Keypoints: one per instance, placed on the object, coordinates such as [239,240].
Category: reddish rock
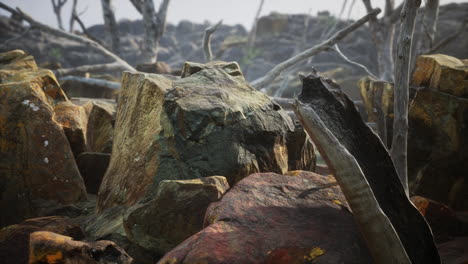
[73,119]
[443,221]
[51,248]
[14,239]
[271,218]
[454,251]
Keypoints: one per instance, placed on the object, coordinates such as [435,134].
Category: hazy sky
[231,11]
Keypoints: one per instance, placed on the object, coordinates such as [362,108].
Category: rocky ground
[196,166]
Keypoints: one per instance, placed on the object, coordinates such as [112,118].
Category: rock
[208,122]
[100,127]
[443,73]
[36,161]
[271,218]
[454,251]
[157,67]
[443,221]
[174,214]
[14,239]
[93,166]
[51,248]
[73,119]
[75,88]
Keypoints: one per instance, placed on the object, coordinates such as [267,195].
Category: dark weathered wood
[399,148]
[341,117]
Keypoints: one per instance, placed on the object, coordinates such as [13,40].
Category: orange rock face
[36,162]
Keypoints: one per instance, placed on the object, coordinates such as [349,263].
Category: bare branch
[72,16]
[17,37]
[105,67]
[398,151]
[57,6]
[389,6]
[253,32]
[351,9]
[110,23]
[444,42]
[138,4]
[337,49]
[327,44]
[59,33]
[85,31]
[207,40]
[92,81]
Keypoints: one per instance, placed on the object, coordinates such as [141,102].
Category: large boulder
[36,162]
[271,218]
[208,122]
[14,239]
[100,125]
[175,213]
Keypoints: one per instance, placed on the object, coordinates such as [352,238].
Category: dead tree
[207,40]
[383,31]
[401,90]
[428,26]
[154,24]
[366,174]
[72,16]
[112,30]
[57,6]
[117,64]
[264,81]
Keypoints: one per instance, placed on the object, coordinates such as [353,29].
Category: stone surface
[454,251]
[14,239]
[174,214]
[443,221]
[51,248]
[36,161]
[441,72]
[73,119]
[93,166]
[271,218]
[74,88]
[159,67]
[100,126]
[208,122]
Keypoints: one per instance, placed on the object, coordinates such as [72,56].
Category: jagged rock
[73,119]
[208,122]
[36,161]
[14,239]
[443,73]
[51,248]
[100,127]
[174,214]
[443,221]
[271,218]
[93,166]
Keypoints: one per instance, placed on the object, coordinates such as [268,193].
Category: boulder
[51,248]
[443,73]
[73,119]
[174,214]
[100,126]
[157,67]
[271,218]
[93,166]
[14,239]
[208,122]
[36,161]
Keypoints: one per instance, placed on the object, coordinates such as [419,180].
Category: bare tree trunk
[57,6]
[253,32]
[428,26]
[398,151]
[72,16]
[112,30]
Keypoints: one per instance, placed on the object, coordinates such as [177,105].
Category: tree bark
[57,6]
[335,112]
[401,91]
[112,30]
[327,44]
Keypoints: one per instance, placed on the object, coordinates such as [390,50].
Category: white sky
[231,11]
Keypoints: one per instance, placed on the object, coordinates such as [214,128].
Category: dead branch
[253,32]
[444,42]
[85,31]
[17,37]
[110,24]
[59,33]
[327,44]
[398,151]
[351,9]
[207,40]
[327,33]
[337,50]
[72,16]
[57,6]
[229,44]
[351,150]
[105,67]
[92,81]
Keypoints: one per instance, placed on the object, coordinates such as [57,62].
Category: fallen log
[339,116]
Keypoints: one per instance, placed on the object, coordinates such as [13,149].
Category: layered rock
[208,122]
[14,239]
[100,126]
[175,213]
[271,218]
[36,162]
